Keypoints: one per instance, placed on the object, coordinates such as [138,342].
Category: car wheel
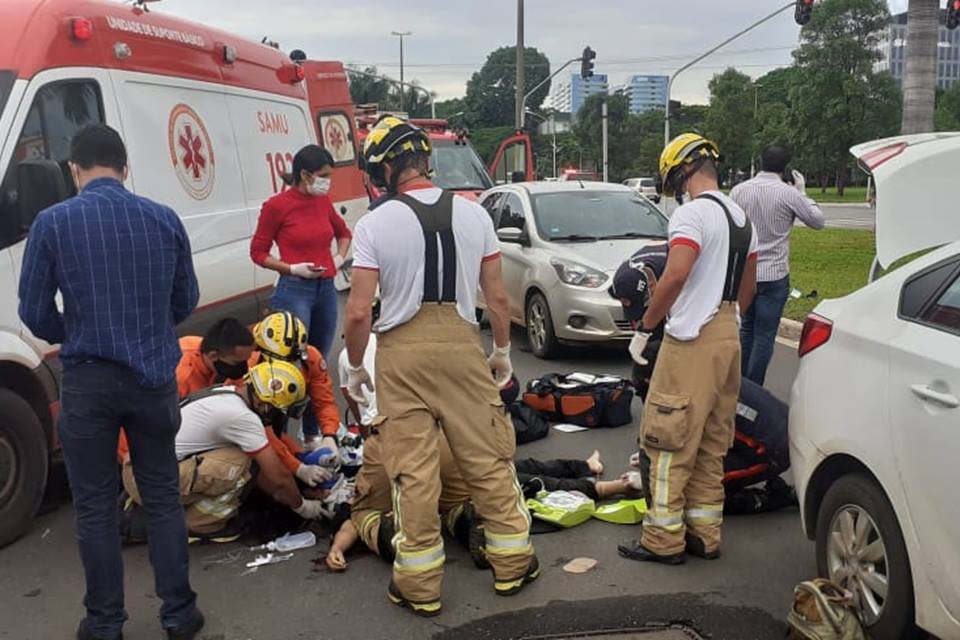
[540,332]
[23,466]
[860,547]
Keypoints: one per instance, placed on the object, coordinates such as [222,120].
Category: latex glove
[305,270]
[330,443]
[336,561]
[635,460]
[637,344]
[312,475]
[799,182]
[310,509]
[337,261]
[357,378]
[500,365]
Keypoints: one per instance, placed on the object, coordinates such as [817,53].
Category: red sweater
[303,228]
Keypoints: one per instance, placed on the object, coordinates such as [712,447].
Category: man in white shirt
[772,206]
[221,435]
[428,251]
[688,417]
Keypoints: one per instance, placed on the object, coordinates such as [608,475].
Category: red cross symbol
[192,158]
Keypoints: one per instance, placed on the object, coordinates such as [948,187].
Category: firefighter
[688,419]
[428,251]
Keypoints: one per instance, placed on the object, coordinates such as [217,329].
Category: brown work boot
[422,609]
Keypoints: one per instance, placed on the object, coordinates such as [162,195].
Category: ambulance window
[58,111]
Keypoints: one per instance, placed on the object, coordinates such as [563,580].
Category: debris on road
[270,558]
[580,565]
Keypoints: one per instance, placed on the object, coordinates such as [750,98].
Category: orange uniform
[319,389]
[193,375]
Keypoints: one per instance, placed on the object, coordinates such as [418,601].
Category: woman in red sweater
[303,224]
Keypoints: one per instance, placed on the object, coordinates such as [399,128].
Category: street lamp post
[401,35]
[526,96]
[520,61]
[666,105]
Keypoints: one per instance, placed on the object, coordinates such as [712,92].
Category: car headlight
[581,275]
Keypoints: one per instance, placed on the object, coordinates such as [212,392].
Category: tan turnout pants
[687,428]
[211,487]
[431,376]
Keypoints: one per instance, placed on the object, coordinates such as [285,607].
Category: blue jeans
[315,303]
[758,331]
[96,399]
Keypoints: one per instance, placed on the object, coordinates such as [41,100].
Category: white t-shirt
[701,224]
[389,239]
[220,420]
[369,407]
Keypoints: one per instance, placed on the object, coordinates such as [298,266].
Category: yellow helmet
[281,335]
[277,383]
[683,150]
[390,138]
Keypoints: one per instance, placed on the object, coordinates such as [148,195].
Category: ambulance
[211,123]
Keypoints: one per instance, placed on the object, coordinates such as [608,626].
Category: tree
[491,92]
[920,69]
[450,108]
[836,99]
[947,116]
[487,140]
[368,88]
[730,118]
[622,136]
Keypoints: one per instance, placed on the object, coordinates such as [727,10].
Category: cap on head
[277,383]
[630,283]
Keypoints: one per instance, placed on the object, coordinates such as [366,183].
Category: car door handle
[926,393]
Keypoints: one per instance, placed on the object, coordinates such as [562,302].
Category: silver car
[647,187]
[561,243]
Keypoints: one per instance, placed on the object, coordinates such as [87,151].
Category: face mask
[319,186]
[227,371]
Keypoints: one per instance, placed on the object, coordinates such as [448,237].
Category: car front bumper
[601,316]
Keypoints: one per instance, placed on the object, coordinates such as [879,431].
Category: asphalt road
[744,594]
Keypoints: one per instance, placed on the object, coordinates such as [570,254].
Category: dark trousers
[556,475]
[96,399]
[758,331]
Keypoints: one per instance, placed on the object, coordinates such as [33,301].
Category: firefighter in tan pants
[428,251]
[688,417]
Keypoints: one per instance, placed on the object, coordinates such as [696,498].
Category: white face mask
[319,186]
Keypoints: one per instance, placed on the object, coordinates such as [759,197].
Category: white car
[647,187]
[875,408]
[561,243]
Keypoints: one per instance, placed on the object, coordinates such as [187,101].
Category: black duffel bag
[581,399]
[528,425]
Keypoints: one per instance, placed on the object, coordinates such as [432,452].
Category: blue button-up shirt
[124,267]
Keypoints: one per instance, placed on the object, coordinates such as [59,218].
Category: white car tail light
[816,333]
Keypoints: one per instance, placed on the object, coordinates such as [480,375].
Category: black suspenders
[437,223]
[739,251]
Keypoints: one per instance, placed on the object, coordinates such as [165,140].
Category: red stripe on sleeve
[253,453]
[492,256]
[366,268]
[686,242]
[753,256]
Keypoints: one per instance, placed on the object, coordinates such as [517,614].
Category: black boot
[188,630]
[636,551]
[696,547]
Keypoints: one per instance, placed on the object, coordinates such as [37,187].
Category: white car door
[924,405]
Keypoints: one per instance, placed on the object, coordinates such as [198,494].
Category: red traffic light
[803,11]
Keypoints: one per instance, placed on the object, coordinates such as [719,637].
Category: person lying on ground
[573,475]
[221,447]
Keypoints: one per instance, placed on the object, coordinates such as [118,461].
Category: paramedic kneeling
[688,419]
[221,435]
[429,250]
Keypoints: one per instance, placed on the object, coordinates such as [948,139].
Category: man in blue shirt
[123,266]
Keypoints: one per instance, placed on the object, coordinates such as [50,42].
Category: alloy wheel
[537,325]
[8,468]
[857,560]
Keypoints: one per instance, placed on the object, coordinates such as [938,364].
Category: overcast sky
[451,38]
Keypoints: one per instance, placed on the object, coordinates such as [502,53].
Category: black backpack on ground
[528,425]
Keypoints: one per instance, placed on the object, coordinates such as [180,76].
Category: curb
[789,333]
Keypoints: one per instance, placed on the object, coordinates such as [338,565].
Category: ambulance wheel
[23,466]
[860,546]
[540,332]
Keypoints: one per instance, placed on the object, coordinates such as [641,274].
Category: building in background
[646,92]
[894,47]
[570,93]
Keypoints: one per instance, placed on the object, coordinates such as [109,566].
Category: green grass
[851,195]
[832,262]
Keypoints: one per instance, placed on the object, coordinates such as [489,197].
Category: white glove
[500,364]
[312,475]
[305,270]
[635,460]
[310,509]
[799,182]
[358,377]
[337,261]
[637,344]
[330,443]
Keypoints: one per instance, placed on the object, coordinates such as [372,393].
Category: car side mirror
[514,235]
[40,184]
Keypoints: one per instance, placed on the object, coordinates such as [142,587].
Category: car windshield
[6,84]
[457,166]
[647,182]
[596,215]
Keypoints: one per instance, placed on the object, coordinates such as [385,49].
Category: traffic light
[803,10]
[586,63]
[953,14]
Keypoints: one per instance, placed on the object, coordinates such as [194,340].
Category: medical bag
[581,399]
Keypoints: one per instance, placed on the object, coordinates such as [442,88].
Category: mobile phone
[315,268]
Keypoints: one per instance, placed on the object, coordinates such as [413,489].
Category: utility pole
[401,35]
[518,124]
[553,133]
[753,154]
[603,115]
